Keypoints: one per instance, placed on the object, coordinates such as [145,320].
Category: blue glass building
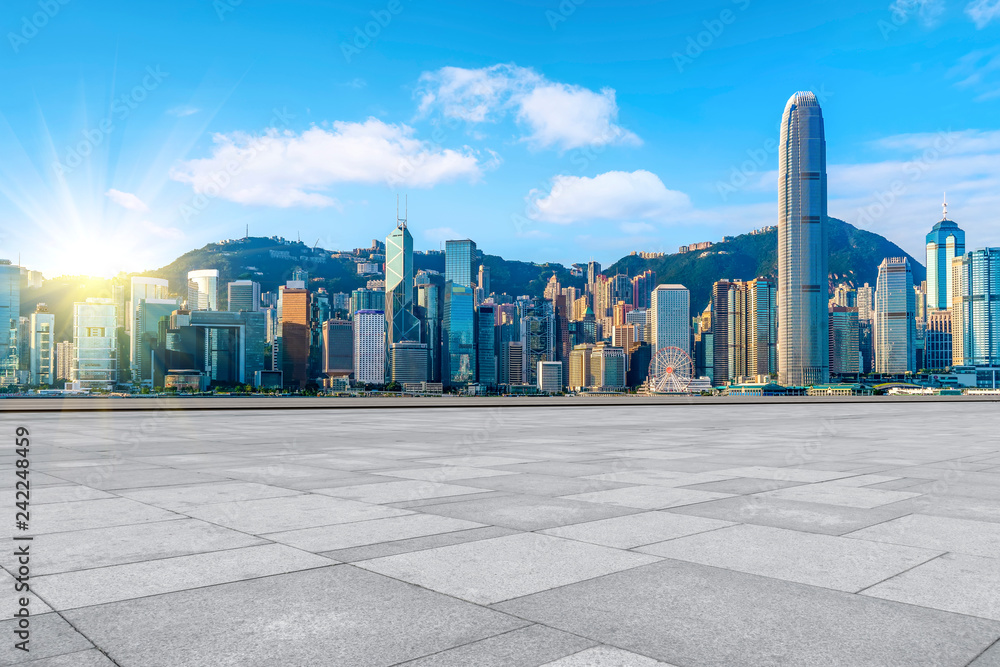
[458,355]
[945,242]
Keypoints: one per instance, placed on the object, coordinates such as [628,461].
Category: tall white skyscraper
[803,320]
[895,317]
[671,315]
[42,346]
[369,346]
[95,343]
[203,289]
[10,311]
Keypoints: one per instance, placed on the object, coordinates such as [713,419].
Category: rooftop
[840,533]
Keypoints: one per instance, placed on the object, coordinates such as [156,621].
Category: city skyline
[650,159]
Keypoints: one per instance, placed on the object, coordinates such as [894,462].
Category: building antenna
[401,222]
[945,206]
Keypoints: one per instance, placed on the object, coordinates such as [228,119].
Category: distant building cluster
[428,332]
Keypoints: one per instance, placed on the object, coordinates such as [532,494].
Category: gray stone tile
[85,588]
[12,599]
[784,474]
[791,514]
[84,514]
[338,615]
[502,568]
[417,544]
[117,478]
[818,560]
[689,614]
[627,532]
[954,582]
[527,512]
[543,485]
[477,460]
[668,478]
[846,496]
[362,533]
[66,494]
[196,495]
[271,515]
[49,636]
[527,647]
[742,485]
[988,658]
[446,473]
[648,497]
[399,491]
[976,538]
[606,656]
[91,658]
[117,545]
[665,454]
[561,468]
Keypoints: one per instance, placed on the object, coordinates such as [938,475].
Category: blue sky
[566,131]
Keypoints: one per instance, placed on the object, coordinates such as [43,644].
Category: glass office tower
[945,242]
[400,323]
[895,317]
[459,340]
[803,344]
[460,258]
[976,308]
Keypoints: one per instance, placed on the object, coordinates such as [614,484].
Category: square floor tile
[839,494]
[527,512]
[502,568]
[397,492]
[648,497]
[362,533]
[606,656]
[954,582]
[818,560]
[976,538]
[338,615]
[627,532]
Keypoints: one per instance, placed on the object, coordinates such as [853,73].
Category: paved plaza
[694,535]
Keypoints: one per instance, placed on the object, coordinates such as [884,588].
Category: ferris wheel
[670,371]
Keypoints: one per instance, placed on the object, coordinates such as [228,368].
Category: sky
[560,130]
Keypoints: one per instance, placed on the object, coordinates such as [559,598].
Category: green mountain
[854,258]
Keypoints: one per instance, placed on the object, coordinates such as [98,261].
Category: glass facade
[459,259]
[803,344]
[976,308]
[400,322]
[895,317]
[459,335]
[95,327]
[944,243]
[486,345]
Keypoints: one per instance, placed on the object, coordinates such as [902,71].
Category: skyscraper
[945,242]
[400,323]
[243,295]
[750,329]
[203,289]
[42,346]
[65,356]
[895,317]
[10,311]
[803,329]
[486,345]
[671,308]
[295,335]
[845,348]
[484,281]
[976,308]
[95,343]
[338,348]
[458,357]
[430,304]
[369,346]
[459,261]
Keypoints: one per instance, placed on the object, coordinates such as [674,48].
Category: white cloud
[441,234]
[979,72]
[556,115]
[616,195]
[183,111]
[284,169]
[983,12]
[126,200]
[928,11]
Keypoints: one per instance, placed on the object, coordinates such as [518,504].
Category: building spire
[944,205]
[401,222]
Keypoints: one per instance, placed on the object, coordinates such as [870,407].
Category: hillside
[854,258]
